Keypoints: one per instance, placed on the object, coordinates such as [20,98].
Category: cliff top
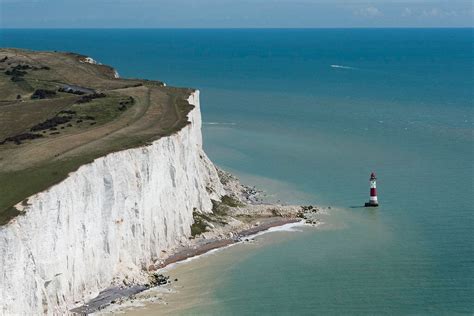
[59,111]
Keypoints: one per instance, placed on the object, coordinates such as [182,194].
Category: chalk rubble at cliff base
[238,223]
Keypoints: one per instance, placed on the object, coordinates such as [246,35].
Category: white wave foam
[290,227]
[341,67]
[219,123]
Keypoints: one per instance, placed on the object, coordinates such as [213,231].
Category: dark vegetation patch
[4,59]
[75,89]
[42,68]
[72,91]
[63,117]
[17,139]
[16,74]
[22,67]
[200,224]
[71,112]
[17,79]
[43,94]
[123,105]
[87,117]
[19,71]
[129,101]
[8,213]
[90,97]
[219,208]
[51,123]
[230,201]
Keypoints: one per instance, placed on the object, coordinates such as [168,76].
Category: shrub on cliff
[17,139]
[43,94]
[51,123]
[90,97]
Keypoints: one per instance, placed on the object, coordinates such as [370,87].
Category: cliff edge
[59,111]
[111,217]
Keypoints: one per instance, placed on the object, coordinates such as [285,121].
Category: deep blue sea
[307,115]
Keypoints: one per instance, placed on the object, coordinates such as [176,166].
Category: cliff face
[107,221]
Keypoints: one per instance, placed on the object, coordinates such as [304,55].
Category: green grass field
[47,132]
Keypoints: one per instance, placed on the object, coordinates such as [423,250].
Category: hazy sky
[234,13]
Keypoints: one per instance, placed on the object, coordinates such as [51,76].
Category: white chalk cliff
[107,221]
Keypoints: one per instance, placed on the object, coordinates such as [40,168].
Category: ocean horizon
[306,115]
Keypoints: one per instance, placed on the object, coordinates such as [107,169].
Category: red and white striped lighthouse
[373,191]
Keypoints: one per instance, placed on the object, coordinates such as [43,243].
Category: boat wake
[341,67]
[219,123]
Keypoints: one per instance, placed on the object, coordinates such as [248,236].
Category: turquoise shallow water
[277,114]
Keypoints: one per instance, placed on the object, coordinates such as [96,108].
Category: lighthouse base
[371,204]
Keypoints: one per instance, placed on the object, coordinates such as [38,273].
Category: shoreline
[240,215]
[206,247]
[117,295]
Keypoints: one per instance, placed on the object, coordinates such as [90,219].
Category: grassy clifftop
[59,111]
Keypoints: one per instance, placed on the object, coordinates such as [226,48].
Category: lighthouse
[373,192]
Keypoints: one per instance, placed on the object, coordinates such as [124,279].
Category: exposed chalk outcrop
[89,60]
[106,222]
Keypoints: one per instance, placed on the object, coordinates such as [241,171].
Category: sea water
[307,115]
